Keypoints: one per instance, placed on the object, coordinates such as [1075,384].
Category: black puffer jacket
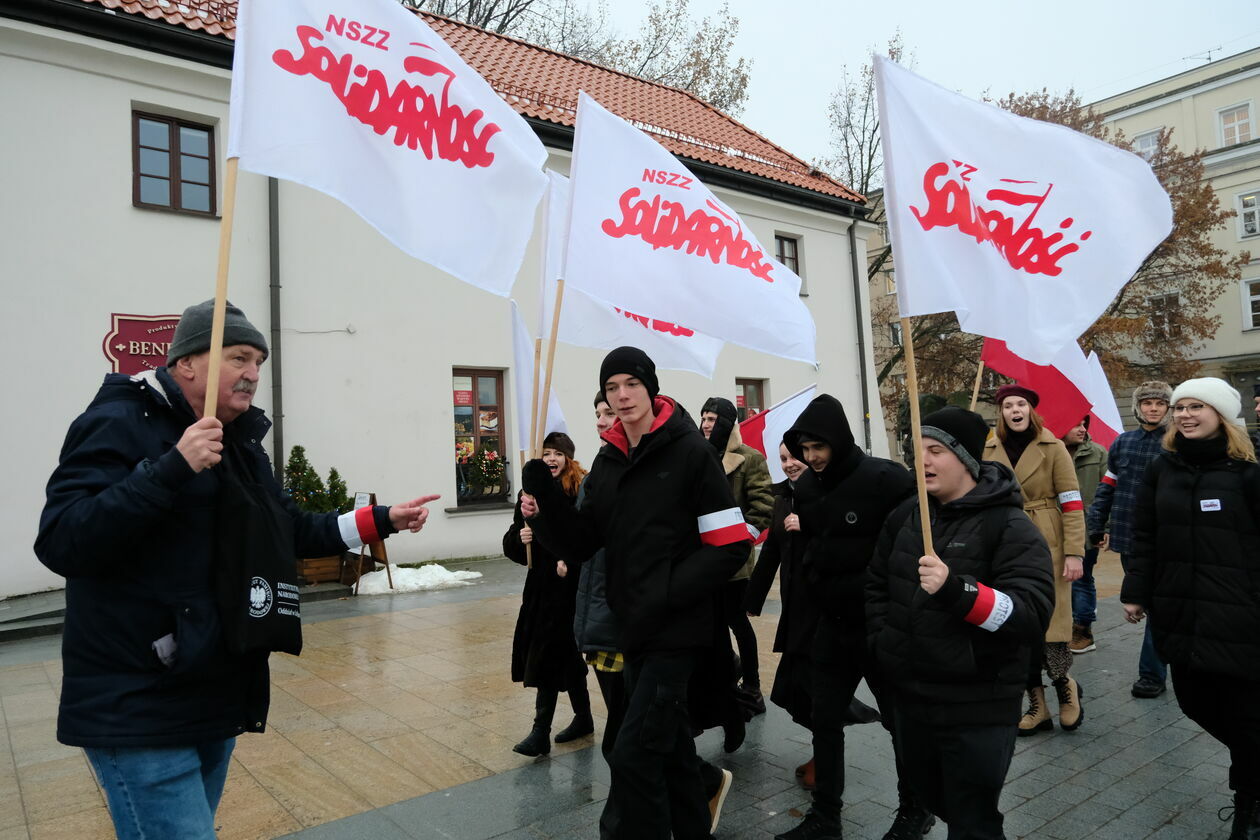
[1195,563]
[841,510]
[925,646]
[594,624]
[130,527]
[647,510]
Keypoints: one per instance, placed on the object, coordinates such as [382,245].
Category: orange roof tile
[544,84]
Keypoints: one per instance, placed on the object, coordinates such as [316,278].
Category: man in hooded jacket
[657,502]
[842,502]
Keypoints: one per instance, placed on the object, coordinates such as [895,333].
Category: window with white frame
[1251,304]
[1145,143]
[1165,315]
[1249,214]
[894,333]
[1236,124]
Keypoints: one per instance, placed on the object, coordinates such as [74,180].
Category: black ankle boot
[537,742]
[581,726]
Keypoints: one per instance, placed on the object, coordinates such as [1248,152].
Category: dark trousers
[1149,663]
[1226,709]
[612,687]
[656,788]
[957,772]
[736,618]
[839,662]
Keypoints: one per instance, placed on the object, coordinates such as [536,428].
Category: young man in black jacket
[658,504]
[951,631]
[841,504]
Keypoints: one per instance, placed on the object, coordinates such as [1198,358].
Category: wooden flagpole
[975,390]
[220,290]
[545,398]
[912,386]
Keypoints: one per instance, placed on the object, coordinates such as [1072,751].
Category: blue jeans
[163,792]
[1084,593]
[1149,663]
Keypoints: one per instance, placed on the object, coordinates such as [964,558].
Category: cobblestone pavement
[397,722]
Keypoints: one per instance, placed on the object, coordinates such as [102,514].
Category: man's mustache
[246,386]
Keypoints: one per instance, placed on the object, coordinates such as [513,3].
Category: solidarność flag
[587,322]
[361,100]
[1027,230]
[646,236]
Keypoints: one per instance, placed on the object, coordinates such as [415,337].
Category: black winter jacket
[669,525]
[841,510]
[1195,563]
[781,553]
[929,648]
[130,526]
[543,647]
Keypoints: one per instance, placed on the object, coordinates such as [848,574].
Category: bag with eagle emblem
[255,569]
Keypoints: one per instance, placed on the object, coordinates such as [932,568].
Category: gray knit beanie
[192,333]
[1152,390]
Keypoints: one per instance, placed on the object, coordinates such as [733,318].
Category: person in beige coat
[1052,499]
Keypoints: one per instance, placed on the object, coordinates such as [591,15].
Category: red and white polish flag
[587,322]
[764,431]
[1070,388]
[361,100]
[1026,230]
[645,235]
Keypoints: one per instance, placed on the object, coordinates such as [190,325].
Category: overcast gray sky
[1101,47]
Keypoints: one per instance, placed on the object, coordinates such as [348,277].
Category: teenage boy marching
[952,631]
[657,502]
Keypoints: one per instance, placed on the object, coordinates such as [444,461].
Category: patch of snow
[429,576]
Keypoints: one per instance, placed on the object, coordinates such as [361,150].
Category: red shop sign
[136,343]
[463,398]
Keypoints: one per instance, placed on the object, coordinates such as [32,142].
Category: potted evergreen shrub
[310,493]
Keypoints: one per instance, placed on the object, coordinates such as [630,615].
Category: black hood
[997,487]
[824,420]
[720,436]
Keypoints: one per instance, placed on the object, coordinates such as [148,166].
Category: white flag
[645,235]
[361,100]
[1098,391]
[587,322]
[523,377]
[764,431]
[1027,230]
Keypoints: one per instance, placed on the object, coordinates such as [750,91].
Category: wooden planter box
[320,569]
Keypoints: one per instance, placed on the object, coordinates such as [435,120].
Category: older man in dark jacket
[152,691]
[952,630]
[658,504]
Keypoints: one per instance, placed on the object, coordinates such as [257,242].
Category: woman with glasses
[1195,570]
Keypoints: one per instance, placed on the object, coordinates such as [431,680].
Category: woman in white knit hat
[1195,569]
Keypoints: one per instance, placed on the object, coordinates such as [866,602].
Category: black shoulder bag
[255,570]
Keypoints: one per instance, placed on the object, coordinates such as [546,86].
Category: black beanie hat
[192,333]
[561,442]
[963,431]
[633,361]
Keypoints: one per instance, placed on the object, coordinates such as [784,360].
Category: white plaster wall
[374,402]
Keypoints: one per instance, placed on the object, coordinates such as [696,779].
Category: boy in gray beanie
[1109,520]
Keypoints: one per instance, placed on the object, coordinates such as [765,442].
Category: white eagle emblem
[260,598]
